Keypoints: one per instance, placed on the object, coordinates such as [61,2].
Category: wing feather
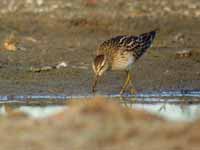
[137,44]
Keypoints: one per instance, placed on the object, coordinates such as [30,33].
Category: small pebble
[61,65]
[179,37]
[183,54]
[39,69]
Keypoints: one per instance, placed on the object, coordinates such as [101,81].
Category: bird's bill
[94,83]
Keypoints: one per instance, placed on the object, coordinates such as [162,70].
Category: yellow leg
[128,82]
[132,90]
[125,83]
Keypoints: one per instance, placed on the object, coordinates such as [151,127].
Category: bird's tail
[144,41]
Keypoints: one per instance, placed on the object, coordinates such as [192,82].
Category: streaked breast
[123,61]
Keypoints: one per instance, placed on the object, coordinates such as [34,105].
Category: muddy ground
[45,33]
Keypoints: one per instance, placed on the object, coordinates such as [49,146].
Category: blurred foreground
[97,124]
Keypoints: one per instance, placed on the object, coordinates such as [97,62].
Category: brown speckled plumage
[120,52]
[124,43]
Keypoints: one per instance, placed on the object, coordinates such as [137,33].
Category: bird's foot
[93,90]
[121,92]
[133,91]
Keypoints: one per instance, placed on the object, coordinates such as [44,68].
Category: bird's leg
[125,83]
[132,90]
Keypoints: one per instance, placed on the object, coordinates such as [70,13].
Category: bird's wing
[137,44]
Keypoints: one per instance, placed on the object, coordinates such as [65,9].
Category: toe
[133,91]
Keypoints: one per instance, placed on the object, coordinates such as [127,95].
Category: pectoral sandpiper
[120,53]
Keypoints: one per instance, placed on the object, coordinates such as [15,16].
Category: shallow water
[172,105]
[148,97]
[173,112]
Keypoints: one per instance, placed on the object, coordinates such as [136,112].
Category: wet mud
[43,39]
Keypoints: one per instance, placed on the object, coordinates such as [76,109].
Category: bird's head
[100,65]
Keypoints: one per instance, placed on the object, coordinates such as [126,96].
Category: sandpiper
[120,53]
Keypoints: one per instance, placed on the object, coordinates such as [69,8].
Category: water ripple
[144,97]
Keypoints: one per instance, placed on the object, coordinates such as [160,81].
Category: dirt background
[38,33]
